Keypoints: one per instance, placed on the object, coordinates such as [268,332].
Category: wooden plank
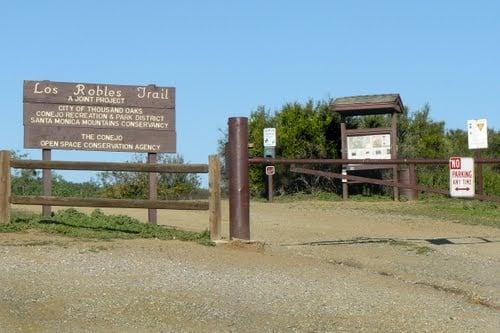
[368,131]
[215,197]
[99,139]
[362,167]
[46,182]
[152,188]
[98,94]
[419,161]
[111,203]
[109,166]
[4,186]
[88,116]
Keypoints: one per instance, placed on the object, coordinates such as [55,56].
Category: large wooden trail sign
[89,116]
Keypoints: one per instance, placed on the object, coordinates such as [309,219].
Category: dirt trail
[369,272]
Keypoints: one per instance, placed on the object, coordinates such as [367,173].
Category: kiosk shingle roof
[368,104]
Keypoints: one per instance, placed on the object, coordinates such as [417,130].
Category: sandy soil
[325,267]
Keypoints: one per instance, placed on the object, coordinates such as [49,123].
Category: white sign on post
[269,137]
[270,170]
[462,177]
[478,133]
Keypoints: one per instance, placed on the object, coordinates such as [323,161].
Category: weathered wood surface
[152,188]
[4,186]
[110,203]
[46,182]
[368,131]
[261,160]
[215,197]
[98,94]
[99,139]
[151,119]
[109,166]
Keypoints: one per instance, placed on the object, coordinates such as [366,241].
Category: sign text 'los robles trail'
[88,116]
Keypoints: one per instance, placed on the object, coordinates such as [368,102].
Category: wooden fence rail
[271,161]
[109,166]
[212,168]
[412,185]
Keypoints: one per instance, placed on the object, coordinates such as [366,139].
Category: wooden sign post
[4,186]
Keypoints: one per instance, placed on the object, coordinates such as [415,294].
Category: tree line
[311,130]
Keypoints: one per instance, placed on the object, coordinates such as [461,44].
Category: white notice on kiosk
[462,177]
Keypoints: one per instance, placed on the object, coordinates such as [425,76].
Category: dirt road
[325,267]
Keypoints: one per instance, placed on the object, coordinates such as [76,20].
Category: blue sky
[227,57]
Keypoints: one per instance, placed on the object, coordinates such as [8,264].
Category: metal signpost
[270,152]
[477,130]
[462,177]
[99,117]
[270,171]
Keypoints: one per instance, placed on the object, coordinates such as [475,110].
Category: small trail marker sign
[270,170]
[462,177]
[269,137]
[478,133]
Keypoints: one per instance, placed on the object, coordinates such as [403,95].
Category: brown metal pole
[479,173]
[4,186]
[270,188]
[343,135]
[239,194]
[394,152]
[46,182]
[153,191]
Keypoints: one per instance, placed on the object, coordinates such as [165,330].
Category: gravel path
[50,283]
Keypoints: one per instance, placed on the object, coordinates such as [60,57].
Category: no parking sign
[462,177]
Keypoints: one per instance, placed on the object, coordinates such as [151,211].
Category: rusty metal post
[153,191]
[479,173]
[4,186]
[270,188]
[343,145]
[46,182]
[239,193]
[413,194]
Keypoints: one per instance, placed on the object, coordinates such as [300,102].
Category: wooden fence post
[4,186]
[46,182]
[215,196]
[152,189]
